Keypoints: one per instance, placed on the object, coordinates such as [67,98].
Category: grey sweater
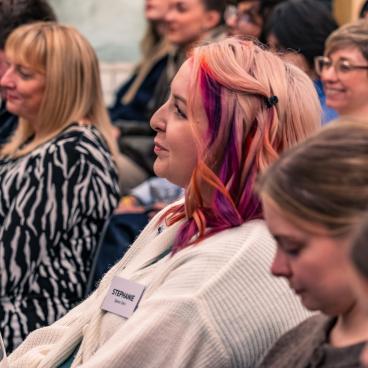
[306,346]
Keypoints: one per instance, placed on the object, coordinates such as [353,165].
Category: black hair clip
[271,101]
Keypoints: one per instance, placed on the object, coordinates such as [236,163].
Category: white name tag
[123,297]
[3,360]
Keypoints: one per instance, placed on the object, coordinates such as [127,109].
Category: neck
[351,327]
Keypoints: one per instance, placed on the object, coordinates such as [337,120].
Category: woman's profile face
[346,90]
[24,90]
[174,142]
[187,21]
[315,264]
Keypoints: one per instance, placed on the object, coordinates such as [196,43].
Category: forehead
[180,83]
[282,223]
[351,53]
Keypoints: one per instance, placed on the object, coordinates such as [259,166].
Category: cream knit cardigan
[211,305]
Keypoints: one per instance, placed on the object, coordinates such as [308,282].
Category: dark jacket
[8,123]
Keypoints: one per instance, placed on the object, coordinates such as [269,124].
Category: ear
[211,19]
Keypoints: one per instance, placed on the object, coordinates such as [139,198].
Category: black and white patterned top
[54,202]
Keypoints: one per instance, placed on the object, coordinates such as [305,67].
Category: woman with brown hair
[313,198]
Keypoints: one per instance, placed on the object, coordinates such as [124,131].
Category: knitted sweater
[210,305]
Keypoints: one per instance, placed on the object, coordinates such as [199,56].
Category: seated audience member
[313,197]
[132,108]
[58,183]
[344,70]
[299,29]
[248,17]
[14,13]
[359,257]
[209,300]
[189,23]
[133,97]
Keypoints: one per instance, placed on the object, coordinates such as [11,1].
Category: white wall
[114,27]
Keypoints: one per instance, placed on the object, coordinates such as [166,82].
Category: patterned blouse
[54,202]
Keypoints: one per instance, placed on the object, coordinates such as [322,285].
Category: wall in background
[114,27]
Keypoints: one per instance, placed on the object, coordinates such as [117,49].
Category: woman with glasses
[248,17]
[344,69]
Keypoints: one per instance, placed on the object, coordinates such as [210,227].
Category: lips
[11,96]
[159,147]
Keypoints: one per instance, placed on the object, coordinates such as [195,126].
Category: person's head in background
[52,80]
[299,29]
[189,21]
[313,197]
[364,11]
[155,12]
[224,96]
[248,17]
[359,258]
[344,69]
[14,13]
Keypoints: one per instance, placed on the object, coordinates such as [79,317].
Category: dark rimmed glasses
[341,66]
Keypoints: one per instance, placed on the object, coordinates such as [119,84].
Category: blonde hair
[324,180]
[231,83]
[353,34]
[73,89]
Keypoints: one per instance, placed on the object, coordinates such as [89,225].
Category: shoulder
[298,343]
[77,143]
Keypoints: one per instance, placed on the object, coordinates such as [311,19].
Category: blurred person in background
[298,29]
[58,183]
[313,198]
[247,18]
[14,13]
[189,23]
[133,106]
[344,70]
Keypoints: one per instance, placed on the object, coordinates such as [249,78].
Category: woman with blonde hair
[58,183]
[313,198]
[194,289]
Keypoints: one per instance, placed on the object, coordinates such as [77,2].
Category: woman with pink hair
[194,289]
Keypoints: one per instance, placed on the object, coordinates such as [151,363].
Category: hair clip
[271,101]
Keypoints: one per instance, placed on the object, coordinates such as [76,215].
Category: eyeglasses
[249,16]
[342,67]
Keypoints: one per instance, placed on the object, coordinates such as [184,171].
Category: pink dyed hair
[230,80]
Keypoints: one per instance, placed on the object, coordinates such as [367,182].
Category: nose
[280,265]
[231,21]
[329,74]
[7,80]
[158,119]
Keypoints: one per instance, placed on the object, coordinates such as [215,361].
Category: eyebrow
[180,98]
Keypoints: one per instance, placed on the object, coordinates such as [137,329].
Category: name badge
[123,297]
[3,360]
